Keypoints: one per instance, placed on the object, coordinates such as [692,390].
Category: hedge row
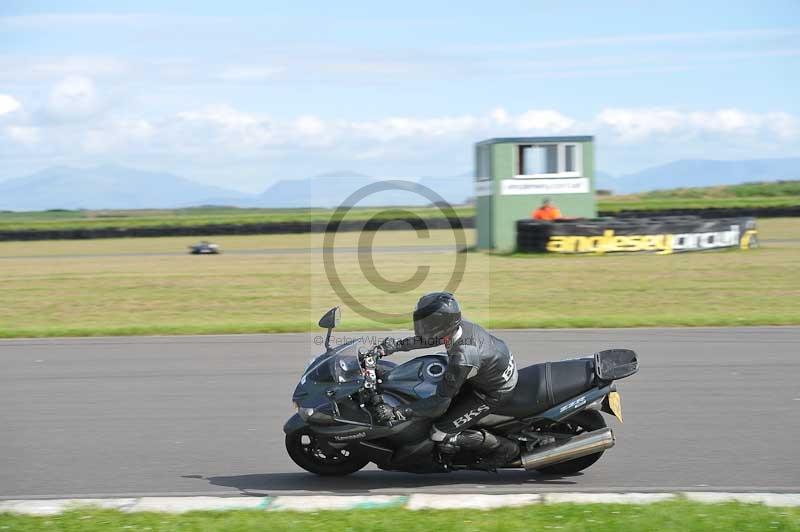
[710,212]
[270,228]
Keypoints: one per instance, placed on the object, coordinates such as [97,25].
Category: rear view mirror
[329,321]
[331,318]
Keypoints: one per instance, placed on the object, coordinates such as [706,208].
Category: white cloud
[118,135]
[236,130]
[73,98]
[643,38]
[221,115]
[309,125]
[25,135]
[226,136]
[55,20]
[137,129]
[244,73]
[544,120]
[8,104]
[81,66]
[500,116]
[784,125]
[724,120]
[635,125]
[408,127]
[638,124]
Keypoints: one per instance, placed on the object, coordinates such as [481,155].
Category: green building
[514,175]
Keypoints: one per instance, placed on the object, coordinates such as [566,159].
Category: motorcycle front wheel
[304,451]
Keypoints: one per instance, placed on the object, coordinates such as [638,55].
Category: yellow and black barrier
[662,235]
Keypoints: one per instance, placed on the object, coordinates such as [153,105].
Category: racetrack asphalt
[711,409]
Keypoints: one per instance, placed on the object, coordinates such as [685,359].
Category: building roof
[535,140]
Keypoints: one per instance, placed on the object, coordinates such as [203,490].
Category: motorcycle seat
[543,386]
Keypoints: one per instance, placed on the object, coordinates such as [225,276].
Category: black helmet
[436,316]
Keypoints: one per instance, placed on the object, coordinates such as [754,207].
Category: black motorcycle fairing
[306,398]
[415,379]
[293,424]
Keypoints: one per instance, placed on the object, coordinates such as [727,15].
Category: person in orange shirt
[547,212]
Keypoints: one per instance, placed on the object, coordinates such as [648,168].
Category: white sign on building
[520,187]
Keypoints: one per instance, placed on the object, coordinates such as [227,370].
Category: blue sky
[240,94]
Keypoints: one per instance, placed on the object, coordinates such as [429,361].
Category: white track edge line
[417,501]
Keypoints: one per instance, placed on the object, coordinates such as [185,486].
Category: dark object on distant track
[554,414]
[204,248]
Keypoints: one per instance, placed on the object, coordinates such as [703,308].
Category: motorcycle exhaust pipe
[581,445]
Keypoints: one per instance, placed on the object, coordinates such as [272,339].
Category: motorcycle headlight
[305,413]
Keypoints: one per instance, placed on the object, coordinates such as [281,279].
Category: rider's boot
[498,451]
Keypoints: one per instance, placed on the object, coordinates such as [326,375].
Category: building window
[539,159]
[549,160]
[484,163]
[569,158]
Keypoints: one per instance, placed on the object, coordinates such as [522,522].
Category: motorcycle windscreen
[346,368]
[338,367]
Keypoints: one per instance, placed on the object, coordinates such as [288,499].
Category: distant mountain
[107,187]
[341,173]
[327,190]
[117,187]
[333,189]
[454,190]
[602,179]
[702,172]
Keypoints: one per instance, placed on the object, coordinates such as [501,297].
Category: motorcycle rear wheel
[585,421]
[304,451]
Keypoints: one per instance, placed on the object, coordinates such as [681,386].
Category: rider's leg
[453,431]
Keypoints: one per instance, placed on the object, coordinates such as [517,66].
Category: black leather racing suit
[477,359]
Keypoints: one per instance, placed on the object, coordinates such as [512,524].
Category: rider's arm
[390,345]
[411,343]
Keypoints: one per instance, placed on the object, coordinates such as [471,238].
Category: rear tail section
[614,364]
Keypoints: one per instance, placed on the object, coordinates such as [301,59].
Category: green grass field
[190,217]
[777,194]
[678,516]
[150,286]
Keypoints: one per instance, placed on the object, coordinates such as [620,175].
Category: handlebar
[369,363]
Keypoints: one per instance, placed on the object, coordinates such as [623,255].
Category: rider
[474,357]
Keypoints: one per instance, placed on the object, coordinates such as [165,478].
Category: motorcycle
[555,413]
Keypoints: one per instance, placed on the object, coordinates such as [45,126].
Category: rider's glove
[389,346]
[385,414]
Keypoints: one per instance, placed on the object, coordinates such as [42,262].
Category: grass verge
[90,288]
[679,516]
